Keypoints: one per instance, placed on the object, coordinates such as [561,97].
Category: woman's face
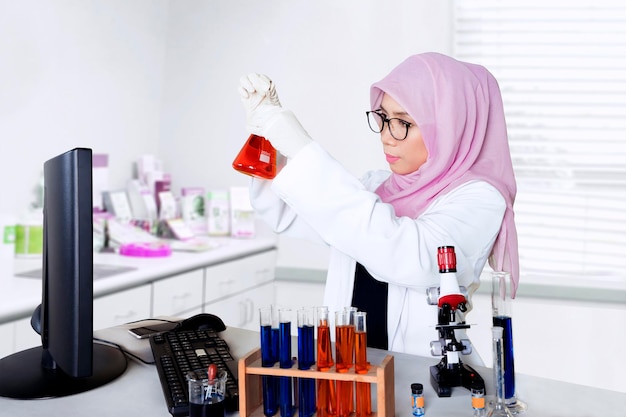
[404,156]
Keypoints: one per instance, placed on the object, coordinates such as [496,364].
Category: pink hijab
[459,110]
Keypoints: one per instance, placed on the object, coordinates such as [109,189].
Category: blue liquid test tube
[306,358]
[285,396]
[501,310]
[269,356]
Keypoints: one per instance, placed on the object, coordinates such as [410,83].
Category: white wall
[77,73]
[323,56]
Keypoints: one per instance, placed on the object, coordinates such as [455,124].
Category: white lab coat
[314,197]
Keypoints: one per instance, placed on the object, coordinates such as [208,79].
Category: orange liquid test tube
[363,389]
[326,396]
[344,352]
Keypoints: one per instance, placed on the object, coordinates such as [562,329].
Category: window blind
[561,67]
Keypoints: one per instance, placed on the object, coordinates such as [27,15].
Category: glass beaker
[501,312]
[206,392]
[257,158]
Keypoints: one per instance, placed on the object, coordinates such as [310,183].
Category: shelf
[251,371]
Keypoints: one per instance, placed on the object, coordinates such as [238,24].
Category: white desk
[138,391]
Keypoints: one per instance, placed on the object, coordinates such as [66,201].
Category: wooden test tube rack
[251,389]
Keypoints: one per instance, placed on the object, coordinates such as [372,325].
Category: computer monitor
[68,361]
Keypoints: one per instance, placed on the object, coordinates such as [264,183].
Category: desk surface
[138,391]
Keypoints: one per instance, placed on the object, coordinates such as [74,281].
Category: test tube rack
[251,394]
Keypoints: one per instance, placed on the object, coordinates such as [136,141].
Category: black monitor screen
[68,260]
[67,361]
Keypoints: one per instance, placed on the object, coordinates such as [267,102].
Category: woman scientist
[442,128]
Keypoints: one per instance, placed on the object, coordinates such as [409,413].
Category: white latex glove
[266,117]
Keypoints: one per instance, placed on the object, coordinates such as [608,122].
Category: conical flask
[257,157]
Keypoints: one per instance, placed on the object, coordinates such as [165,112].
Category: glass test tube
[351,320]
[285,396]
[306,359]
[344,354]
[501,309]
[269,356]
[363,389]
[498,407]
[326,396]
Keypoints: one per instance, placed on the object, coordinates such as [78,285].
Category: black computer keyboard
[178,351]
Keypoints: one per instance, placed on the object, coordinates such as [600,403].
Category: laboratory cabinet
[16,336]
[178,296]
[234,291]
[25,335]
[7,339]
[188,293]
[232,277]
[122,307]
[111,310]
[297,294]
[231,286]
[241,310]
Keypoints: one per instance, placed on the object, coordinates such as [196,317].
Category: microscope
[449,297]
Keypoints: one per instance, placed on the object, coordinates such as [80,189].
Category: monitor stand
[23,377]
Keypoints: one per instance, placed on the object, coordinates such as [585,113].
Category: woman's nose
[385,136]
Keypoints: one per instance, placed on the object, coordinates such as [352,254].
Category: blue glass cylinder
[502,317]
[269,356]
[306,358]
[285,396]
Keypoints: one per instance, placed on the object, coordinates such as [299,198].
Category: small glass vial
[477,390]
[417,399]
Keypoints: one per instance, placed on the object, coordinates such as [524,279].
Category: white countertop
[603,289]
[19,296]
[138,392]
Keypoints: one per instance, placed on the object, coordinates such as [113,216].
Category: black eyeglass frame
[387,120]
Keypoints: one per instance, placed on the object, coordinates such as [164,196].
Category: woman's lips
[391,159]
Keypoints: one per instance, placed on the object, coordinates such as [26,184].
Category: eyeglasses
[398,128]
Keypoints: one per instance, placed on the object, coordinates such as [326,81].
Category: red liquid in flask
[257,158]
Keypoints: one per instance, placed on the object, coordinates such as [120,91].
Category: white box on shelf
[242,222]
[218,213]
